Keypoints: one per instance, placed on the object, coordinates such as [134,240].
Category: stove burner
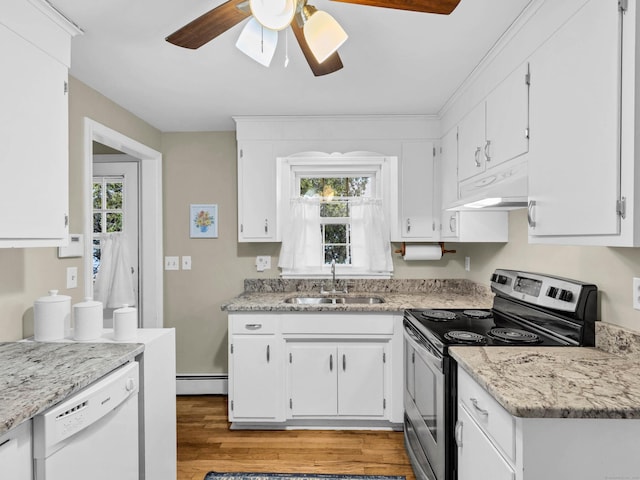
[438,315]
[514,335]
[477,313]
[465,337]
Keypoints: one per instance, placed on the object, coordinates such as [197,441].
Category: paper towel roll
[422,252]
[87,320]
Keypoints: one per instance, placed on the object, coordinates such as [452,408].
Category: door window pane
[114,222]
[97,195]
[97,223]
[114,195]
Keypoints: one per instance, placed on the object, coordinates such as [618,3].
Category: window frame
[382,169]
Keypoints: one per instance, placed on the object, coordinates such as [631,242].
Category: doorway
[115,210]
[147,163]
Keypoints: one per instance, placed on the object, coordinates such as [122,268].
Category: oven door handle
[422,349]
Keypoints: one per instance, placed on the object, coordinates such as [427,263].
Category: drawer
[253,324]
[492,418]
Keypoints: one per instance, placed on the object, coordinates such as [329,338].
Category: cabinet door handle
[477,157]
[344,362]
[458,433]
[331,362]
[268,353]
[481,411]
[253,326]
[530,214]
[452,223]
[266,225]
[408,225]
[487,157]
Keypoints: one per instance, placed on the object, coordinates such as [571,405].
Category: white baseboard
[202,384]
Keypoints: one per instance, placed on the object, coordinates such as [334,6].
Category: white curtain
[370,240]
[114,285]
[302,239]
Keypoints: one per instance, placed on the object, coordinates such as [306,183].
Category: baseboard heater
[202,384]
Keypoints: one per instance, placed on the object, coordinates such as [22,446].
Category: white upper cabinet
[417,220]
[465,226]
[34,152]
[496,130]
[574,163]
[257,205]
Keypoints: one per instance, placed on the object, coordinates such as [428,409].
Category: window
[108,211]
[335,208]
[335,212]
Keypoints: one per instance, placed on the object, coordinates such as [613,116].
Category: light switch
[72,277]
[171,263]
[186,262]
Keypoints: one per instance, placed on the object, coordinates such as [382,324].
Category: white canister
[87,320]
[125,323]
[51,317]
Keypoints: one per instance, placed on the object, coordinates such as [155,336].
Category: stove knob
[502,279]
[494,277]
[552,292]
[565,295]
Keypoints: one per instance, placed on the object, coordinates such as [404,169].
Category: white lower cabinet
[493,444]
[315,369]
[16,461]
[328,379]
[477,456]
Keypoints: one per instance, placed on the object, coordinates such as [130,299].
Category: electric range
[528,309]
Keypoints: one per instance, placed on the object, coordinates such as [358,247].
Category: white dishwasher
[92,434]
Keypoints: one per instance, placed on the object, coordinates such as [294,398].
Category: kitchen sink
[334,300]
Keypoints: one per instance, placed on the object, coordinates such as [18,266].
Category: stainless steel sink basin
[334,300]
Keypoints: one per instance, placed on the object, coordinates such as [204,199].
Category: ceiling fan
[317,33]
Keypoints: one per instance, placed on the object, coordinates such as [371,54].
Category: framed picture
[203,221]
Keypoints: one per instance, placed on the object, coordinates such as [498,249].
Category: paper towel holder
[403,249]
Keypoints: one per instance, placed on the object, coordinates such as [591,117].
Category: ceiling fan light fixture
[323,33]
[273,14]
[257,42]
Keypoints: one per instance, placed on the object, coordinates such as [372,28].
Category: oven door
[424,403]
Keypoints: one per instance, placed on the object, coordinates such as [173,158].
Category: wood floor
[205,444]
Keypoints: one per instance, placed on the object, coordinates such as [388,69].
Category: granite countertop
[271,295]
[35,376]
[556,382]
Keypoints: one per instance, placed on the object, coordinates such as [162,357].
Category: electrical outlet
[186,262]
[467,264]
[72,277]
[636,293]
[263,262]
[171,263]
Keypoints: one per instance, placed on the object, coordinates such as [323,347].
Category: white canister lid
[53,297]
[124,309]
[88,303]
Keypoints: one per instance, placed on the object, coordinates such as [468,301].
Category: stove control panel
[539,289]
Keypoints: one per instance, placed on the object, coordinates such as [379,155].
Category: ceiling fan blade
[443,7]
[209,25]
[330,65]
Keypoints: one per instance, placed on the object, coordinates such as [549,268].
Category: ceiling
[395,62]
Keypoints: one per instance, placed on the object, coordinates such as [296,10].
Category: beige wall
[26,274]
[611,269]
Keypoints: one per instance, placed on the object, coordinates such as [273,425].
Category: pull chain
[286,48]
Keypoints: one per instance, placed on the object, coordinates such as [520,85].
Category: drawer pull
[481,411]
[253,326]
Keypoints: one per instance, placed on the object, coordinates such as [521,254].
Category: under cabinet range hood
[500,188]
